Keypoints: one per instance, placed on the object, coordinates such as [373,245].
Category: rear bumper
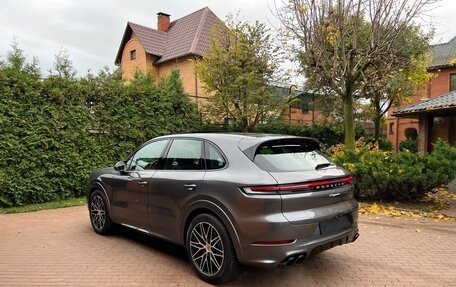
[296,252]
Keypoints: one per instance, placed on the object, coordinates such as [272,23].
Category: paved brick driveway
[58,247]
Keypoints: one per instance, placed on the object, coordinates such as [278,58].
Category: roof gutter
[421,112]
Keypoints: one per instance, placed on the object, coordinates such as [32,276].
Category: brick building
[432,111]
[173,45]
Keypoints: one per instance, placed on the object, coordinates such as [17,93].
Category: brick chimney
[163,22]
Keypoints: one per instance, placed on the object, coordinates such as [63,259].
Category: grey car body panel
[169,199]
[309,207]
[164,204]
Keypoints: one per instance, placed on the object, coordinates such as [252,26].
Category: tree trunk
[245,125]
[377,128]
[348,122]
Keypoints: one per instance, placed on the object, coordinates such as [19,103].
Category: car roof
[258,137]
[242,140]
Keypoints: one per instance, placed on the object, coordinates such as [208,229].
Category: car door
[180,178]
[131,187]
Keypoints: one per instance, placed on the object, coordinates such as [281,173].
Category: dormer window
[132,54]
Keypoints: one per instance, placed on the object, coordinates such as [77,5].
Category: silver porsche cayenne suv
[230,199]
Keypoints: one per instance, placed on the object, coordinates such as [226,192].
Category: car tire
[99,213]
[210,250]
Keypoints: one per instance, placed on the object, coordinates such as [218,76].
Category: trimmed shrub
[403,176]
[409,145]
[55,131]
[411,133]
[328,134]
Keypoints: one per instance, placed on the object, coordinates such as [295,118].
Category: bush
[403,176]
[328,134]
[411,133]
[383,143]
[409,145]
[51,139]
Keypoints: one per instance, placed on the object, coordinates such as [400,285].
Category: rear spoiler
[250,146]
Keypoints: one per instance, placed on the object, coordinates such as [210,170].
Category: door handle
[190,186]
[142,182]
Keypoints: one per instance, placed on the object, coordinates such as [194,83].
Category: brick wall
[142,62]
[438,85]
[298,117]
[145,62]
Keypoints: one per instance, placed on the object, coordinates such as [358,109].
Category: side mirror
[120,166]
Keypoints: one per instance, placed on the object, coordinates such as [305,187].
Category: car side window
[147,157]
[184,154]
[214,159]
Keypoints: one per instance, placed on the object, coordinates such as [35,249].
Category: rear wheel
[210,249]
[99,213]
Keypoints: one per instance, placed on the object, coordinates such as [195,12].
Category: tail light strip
[315,185]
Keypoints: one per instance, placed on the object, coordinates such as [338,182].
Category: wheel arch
[208,207]
[98,186]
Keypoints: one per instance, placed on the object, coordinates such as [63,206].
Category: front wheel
[99,213]
[210,250]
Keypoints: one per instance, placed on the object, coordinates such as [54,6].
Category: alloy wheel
[98,212]
[206,248]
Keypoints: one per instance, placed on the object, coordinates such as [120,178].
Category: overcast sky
[91,30]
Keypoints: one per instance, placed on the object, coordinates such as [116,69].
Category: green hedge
[328,134]
[403,176]
[55,131]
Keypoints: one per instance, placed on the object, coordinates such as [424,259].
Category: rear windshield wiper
[322,165]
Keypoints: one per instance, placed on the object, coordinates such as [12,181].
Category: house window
[452,82]
[305,108]
[442,127]
[391,128]
[132,54]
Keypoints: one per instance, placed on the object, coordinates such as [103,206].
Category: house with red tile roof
[172,45]
[432,112]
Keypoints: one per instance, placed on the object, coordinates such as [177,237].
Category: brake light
[265,188]
[315,185]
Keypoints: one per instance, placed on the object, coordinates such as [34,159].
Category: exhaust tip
[300,259]
[290,261]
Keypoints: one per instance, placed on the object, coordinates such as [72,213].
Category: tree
[238,71]
[395,90]
[63,67]
[390,87]
[341,43]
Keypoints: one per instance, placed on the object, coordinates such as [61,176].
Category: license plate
[336,225]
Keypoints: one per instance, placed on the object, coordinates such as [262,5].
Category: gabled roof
[443,53]
[441,103]
[189,35]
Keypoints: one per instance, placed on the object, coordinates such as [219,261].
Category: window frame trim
[219,150]
[160,160]
[449,82]
[162,167]
[391,130]
[131,54]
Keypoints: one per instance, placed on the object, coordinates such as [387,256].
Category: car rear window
[290,156]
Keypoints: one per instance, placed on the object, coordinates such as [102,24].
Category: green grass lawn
[47,205]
